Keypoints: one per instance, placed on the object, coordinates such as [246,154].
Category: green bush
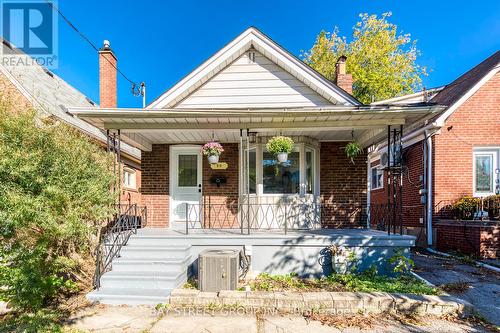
[279,144]
[492,205]
[465,208]
[54,191]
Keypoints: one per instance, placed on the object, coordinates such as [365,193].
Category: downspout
[428,140]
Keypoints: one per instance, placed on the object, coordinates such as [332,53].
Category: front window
[266,175]
[281,177]
[377,178]
[309,171]
[252,170]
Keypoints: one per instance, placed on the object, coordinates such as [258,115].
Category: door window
[187,170]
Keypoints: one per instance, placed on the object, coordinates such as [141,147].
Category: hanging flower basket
[352,150]
[212,150]
[280,146]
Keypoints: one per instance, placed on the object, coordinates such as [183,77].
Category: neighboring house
[283,214]
[449,155]
[29,85]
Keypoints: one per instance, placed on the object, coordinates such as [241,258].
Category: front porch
[318,186]
[304,252]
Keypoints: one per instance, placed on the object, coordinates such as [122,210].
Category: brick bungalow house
[449,155]
[30,85]
[283,214]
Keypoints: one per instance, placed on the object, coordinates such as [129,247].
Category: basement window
[129,178]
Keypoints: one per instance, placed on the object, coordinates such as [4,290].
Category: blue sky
[161,41]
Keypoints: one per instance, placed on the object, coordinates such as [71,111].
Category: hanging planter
[280,146]
[352,150]
[212,150]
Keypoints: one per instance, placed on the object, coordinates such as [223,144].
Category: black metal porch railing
[115,234]
[247,217]
[479,209]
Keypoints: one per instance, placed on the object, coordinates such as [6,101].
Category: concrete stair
[144,274]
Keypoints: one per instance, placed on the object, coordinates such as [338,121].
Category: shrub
[279,144]
[465,208]
[492,205]
[54,185]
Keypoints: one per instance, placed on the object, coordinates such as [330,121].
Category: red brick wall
[107,79]
[155,185]
[472,238]
[342,187]
[413,209]
[132,195]
[13,97]
[475,123]
[224,199]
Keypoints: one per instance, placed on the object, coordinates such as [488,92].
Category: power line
[72,26]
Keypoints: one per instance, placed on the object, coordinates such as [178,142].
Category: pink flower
[212,148]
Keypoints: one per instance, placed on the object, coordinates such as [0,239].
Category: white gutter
[428,151]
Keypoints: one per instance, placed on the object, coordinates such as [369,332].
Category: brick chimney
[107,77]
[342,79]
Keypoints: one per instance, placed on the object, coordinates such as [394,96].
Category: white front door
[185,180]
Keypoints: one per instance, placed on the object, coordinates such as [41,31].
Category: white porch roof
[144,127]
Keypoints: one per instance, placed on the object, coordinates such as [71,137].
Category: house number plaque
[219,166]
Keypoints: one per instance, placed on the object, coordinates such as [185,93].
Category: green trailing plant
[402,263]
[279,144]
[54,185]
[352,150]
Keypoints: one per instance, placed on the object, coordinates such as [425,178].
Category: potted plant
[280,146]
[352,150]
[212,150]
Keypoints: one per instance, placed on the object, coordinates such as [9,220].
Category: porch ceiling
[143,128]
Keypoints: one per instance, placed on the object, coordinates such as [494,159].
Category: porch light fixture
[252,137]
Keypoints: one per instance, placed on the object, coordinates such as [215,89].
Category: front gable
[253,81]
[272,67]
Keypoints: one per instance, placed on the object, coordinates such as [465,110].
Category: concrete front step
[130,296]
[150,265]
[153,251]
[143,280]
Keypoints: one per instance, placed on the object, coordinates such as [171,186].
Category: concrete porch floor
[274,233]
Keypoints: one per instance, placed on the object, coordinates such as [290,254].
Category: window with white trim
[377,178]
[266,176]
[129,178]
[486,168]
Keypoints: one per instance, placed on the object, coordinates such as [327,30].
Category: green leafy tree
[381,59]
[54,192]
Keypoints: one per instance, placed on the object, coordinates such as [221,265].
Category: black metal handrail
[115,234]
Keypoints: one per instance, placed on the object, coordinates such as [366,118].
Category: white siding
[259,83]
